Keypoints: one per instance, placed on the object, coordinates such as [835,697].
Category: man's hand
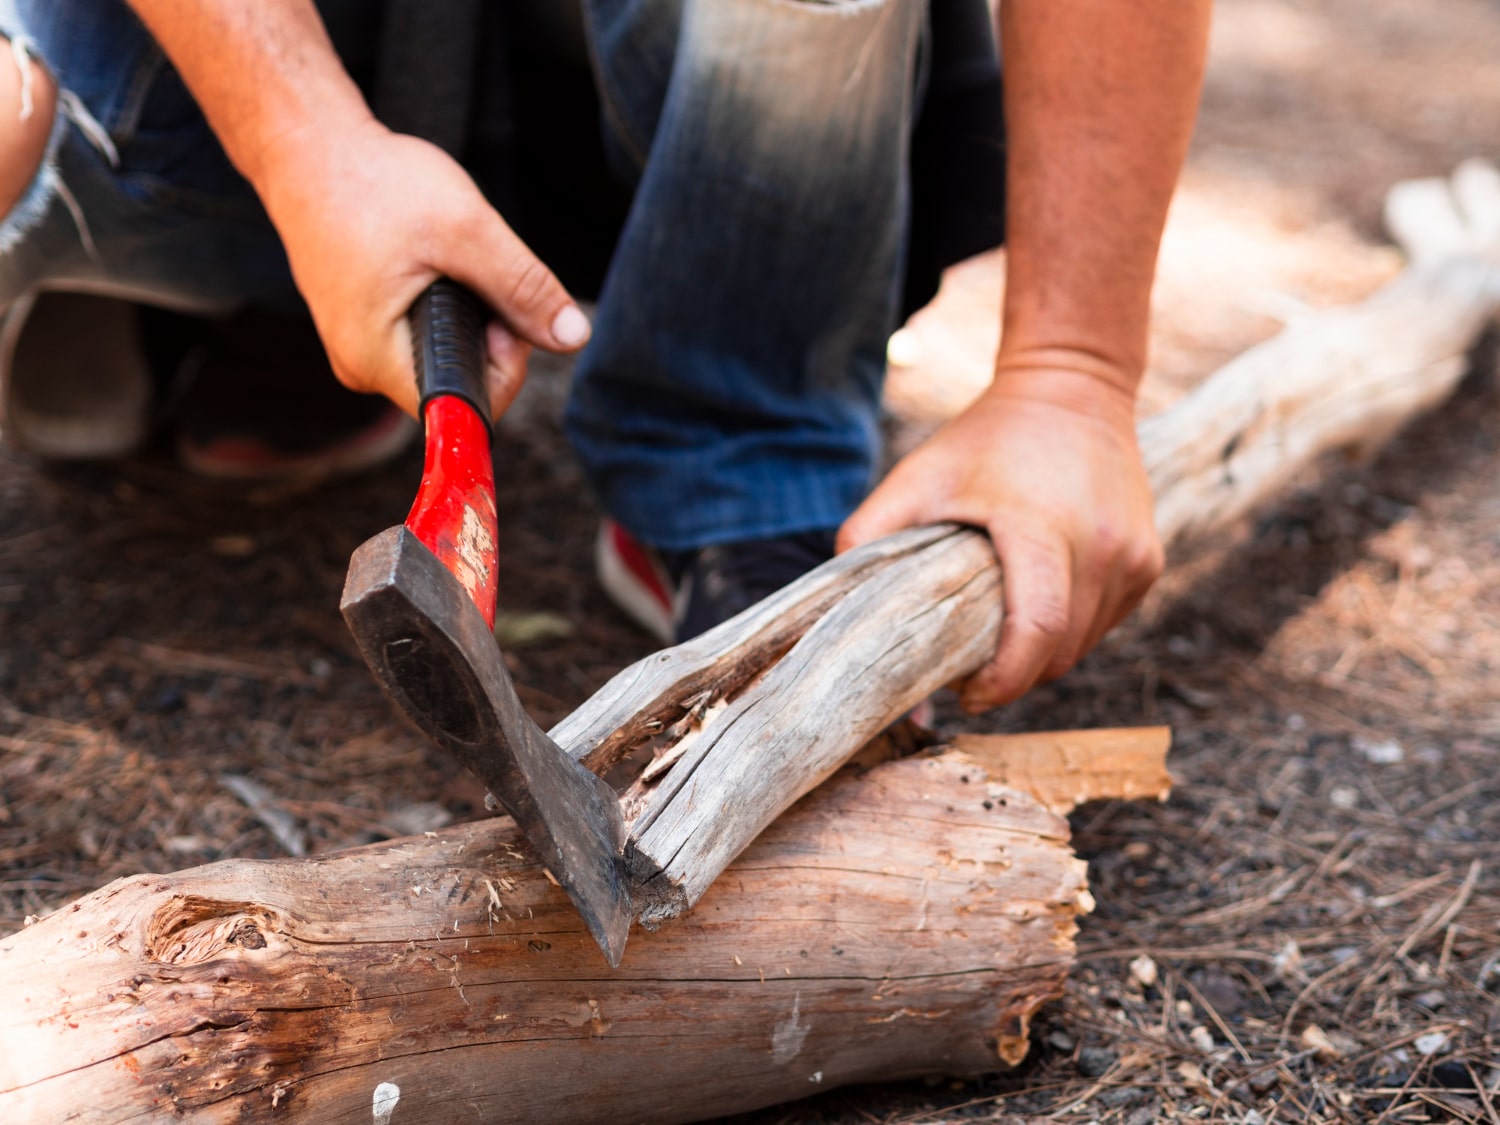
[369,220]
[1047,463]
[1099,102]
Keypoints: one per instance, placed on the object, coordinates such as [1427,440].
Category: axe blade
[433,654]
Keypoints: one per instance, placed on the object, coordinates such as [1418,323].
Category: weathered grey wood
[899,921]
[895,628]
[641,702]
[1343,379]
[897,637]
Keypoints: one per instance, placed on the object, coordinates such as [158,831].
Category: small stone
[1254,1117]
[1315,1039]
[1432,999]
[1095,1061]
[1288,960]
[1117,1096]
[515,630]
[1203,1039]
[1380,752]
[1143,971]
[1453,1074]
[1343,797]
[1431,1043]
[1264,1081]
[1061,1040]
[1192,1074]
[1221,991]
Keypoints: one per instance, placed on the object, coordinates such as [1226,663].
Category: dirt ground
[1309,930]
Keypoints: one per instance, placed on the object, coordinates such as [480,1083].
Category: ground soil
[1309,930]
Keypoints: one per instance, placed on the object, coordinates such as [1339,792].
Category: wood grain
[899,921]
[1064,769]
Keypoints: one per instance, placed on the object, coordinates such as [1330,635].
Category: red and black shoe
[676,595]
[258,401]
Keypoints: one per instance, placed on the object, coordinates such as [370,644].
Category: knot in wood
[190,930]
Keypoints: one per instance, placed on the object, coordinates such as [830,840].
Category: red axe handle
[454,512]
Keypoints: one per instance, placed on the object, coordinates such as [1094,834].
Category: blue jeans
[135,196]
[731,389]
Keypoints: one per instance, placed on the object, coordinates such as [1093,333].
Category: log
[872,633]
[904,919]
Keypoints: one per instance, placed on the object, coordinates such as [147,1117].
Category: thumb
[496,264]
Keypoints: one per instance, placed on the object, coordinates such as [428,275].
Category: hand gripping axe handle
[420,601]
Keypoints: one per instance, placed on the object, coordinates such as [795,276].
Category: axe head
[435,656]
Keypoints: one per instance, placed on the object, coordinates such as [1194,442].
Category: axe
[420,601]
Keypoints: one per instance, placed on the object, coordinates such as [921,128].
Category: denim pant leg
[732,387]
[135,197]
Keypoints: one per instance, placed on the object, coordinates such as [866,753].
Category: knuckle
[1045,616]
[1155,561]
[531,285]
[1110,540]
[1145,564]
[1061,663]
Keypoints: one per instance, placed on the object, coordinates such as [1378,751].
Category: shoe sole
[247,462]
[50,348]
[107,335]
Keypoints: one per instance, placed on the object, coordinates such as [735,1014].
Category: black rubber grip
[447,333]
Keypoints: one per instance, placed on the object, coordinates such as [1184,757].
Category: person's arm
[1100,100]
[369,218]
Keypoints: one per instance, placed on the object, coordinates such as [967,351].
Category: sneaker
[676,595]
[74,380]
[260,402]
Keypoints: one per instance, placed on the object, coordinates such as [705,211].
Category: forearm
[264,73]
[1100,101]
[369,218]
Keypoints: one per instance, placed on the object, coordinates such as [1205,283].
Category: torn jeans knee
[47,185]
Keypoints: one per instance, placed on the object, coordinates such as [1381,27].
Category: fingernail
[570,328]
